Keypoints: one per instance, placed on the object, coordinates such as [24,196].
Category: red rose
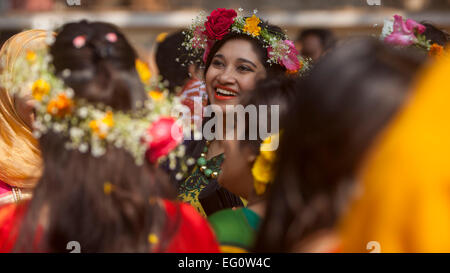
[218,23]
[165,136]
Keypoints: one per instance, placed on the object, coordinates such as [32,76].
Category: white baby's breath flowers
[87,126]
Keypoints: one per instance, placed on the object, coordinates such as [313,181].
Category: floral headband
[400,32]
[147,132]
[205,31]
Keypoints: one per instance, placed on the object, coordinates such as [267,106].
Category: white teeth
[225,92]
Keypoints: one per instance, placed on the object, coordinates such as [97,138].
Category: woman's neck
[215,148]
[257,204]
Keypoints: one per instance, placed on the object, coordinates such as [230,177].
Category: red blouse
[193,233]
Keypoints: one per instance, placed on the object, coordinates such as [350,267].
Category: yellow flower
[107,188]
[31,56]
[436,50]
[251,26]
[143,70]
[153,238]
[263,169]
[156,95]
[260,188]
[161,37]
[60,106]
[108,120]
[39,89]
[101,127]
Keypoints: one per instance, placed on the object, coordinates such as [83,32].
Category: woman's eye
[217,63]
[244,68]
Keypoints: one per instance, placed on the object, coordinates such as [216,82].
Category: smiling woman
[239,51]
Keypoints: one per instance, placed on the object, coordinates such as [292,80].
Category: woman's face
[236,172]
[234,69]
[24,105]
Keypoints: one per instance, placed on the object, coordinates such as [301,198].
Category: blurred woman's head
[20,163]
[346,100]
[240,155]
[103,69]
[174,62]
[101,202]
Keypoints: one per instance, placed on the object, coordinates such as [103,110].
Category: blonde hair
[20,160]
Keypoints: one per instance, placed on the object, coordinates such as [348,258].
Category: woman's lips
[224,93]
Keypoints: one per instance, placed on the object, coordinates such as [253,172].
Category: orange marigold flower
[291,72]
[436,50]
[60,106]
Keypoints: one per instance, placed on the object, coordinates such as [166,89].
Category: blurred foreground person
[20,160]
[348,97]
[249,167]
[96,188]
[403,204]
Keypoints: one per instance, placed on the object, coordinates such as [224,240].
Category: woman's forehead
[238,49]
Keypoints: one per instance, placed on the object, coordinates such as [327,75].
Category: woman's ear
[249,154]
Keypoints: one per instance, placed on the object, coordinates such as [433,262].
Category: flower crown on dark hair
[145,133]
[401,32]
[205,31]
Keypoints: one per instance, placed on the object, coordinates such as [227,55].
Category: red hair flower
[219,22]
[165,136]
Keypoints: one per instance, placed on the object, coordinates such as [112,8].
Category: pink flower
[199,38]
[404,33]
[209,45]
[287,57]
[79,41]
[219,22]
[111,37]
[165,136]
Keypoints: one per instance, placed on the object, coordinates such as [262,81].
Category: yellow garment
[20,160]
[404,202]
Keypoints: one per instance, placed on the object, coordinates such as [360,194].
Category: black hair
[435,35]
[173,60]
[345,101]
[279,91]
[272,91]
[71,193]
[326,36]
[100,71]
[258,46]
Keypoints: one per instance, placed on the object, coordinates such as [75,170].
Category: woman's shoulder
[193,233]
[11,216]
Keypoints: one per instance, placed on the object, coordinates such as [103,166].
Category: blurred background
[143,20]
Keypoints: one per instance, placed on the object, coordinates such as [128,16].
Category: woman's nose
[227,77]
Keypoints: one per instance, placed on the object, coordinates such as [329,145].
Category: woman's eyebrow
[247,61]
